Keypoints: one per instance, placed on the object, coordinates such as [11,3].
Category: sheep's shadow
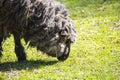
[26,65]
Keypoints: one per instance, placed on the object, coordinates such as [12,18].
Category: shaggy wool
[45,24]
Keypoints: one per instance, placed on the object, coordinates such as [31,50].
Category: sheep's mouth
[61,55]
[61,51]
[65,54]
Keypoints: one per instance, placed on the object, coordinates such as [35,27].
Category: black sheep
[45,24]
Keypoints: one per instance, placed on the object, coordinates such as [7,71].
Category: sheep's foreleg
[19,49]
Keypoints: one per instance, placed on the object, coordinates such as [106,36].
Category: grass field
[94,56]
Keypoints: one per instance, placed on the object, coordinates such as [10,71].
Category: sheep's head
[55,41]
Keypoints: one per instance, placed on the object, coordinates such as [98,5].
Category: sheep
[44,24]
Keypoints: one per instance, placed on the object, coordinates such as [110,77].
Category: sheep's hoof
[21,59]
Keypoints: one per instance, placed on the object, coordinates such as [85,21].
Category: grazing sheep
[45,24]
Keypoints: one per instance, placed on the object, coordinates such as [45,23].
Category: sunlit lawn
[94,56]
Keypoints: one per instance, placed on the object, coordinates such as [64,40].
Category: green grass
[94,56]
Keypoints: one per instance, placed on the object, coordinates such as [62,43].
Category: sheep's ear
[64,33]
